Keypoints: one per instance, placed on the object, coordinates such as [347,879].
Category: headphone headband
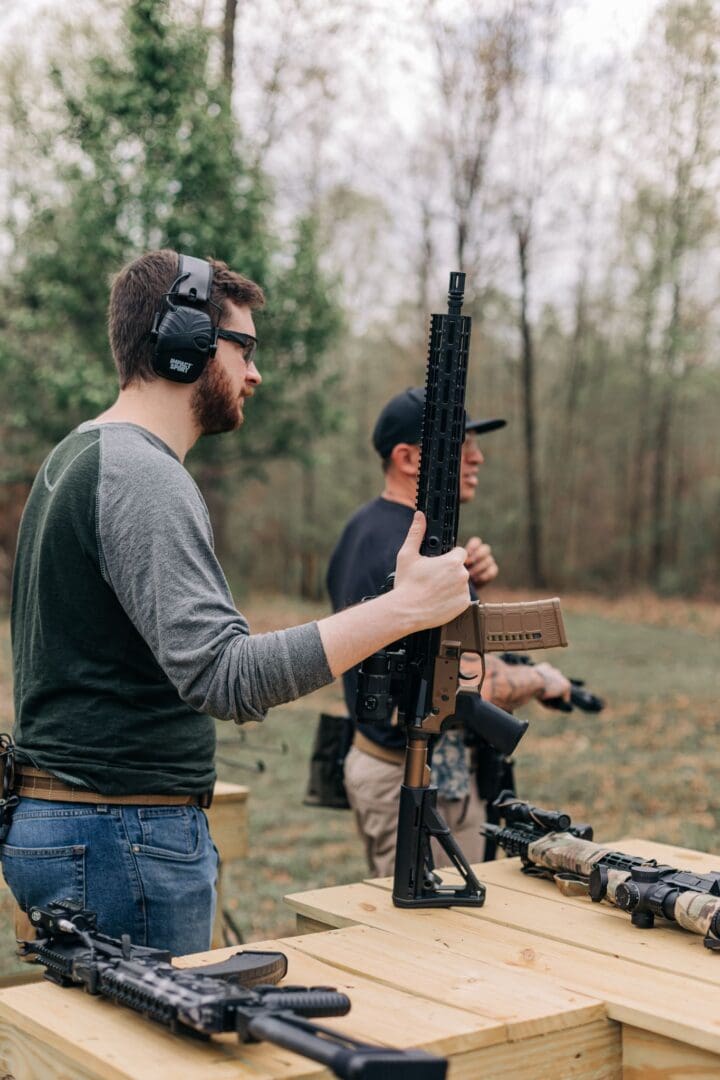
[194,280]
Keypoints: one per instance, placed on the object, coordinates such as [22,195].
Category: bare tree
[474,56]
[228,42]
[676,117]
[533,46]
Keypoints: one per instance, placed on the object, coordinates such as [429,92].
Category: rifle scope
[515,812]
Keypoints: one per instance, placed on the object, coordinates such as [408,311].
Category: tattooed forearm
[509,685]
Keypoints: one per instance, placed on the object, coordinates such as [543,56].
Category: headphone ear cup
[184,341]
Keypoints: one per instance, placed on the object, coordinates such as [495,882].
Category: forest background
[348,156]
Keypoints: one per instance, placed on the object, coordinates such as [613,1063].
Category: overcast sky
[595,25]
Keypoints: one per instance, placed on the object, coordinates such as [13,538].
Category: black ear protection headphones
[185,337]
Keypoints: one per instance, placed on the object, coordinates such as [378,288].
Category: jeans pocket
[37,876]
[170,832]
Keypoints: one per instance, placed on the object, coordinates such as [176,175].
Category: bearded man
[126,640]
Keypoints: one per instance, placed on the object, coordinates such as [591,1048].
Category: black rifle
[550,846]
[420,674]
[579,698]
[233,996]
[493,771]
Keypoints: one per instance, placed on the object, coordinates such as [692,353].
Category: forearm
[357,632]
[510,685]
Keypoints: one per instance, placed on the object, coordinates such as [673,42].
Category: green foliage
[147,154]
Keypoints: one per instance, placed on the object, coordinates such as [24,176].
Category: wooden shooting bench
[532,986]
[228,819]
[659,989]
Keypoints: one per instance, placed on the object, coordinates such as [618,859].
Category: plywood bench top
[662,980]
[403,993]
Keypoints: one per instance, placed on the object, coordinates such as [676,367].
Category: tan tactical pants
[373,790]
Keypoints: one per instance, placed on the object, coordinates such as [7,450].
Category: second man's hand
[555,683]
[480,562]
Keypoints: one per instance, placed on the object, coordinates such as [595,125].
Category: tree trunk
[426,261]
[534,524]
[638,499]
[659,484]
[679,487]
[636,514]
[310,588]
[662,440]
[228,41]
[566,503]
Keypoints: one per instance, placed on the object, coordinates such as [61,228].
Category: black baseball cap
[401,422]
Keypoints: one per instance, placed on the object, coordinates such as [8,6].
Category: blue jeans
[147,871]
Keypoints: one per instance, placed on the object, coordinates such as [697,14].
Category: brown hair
[137,293]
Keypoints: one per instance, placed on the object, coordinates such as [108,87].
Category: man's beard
[215,407]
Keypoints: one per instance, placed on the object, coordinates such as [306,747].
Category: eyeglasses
[247,341]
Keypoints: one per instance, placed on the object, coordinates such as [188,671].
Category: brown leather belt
[39,784]
[390,754]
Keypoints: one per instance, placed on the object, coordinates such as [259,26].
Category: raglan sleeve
[157,555]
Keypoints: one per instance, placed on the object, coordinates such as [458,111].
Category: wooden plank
[31,974]
[57,1034]
[679,1006]
[599,928]
[42,1025]
[379,1013]
[646,1055]
[682,858]
[228,820]
[591,1052]
[224,791]
[525,1004]
[309,926]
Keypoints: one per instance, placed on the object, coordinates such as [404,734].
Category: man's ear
[406,458]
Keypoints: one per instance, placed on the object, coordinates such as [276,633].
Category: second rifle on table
[420,675]
[237,995]
[550,846]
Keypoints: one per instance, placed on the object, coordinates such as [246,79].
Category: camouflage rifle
[236,995]
[420,674]
[550,846]
[579,698]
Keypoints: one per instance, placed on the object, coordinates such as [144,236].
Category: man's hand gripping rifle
[236,995]
[420,675]
[549,846]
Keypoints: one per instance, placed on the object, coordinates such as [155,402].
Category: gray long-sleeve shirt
[125,637]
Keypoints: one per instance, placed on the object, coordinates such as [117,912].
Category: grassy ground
[648,765]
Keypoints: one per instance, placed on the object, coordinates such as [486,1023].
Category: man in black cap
[363,557]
